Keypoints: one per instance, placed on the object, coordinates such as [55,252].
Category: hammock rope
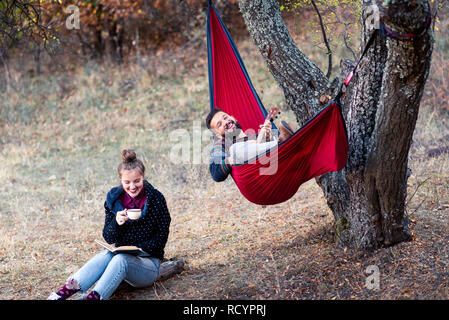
[388,32]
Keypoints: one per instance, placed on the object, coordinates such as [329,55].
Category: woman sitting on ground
[149,233]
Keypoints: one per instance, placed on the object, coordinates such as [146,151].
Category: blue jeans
[110,269]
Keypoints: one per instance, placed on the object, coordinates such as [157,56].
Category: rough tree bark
[380,108]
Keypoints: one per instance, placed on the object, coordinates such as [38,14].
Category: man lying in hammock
[233,146]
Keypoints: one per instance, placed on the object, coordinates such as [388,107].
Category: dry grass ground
[60,142]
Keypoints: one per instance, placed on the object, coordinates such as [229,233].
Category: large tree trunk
[381,106]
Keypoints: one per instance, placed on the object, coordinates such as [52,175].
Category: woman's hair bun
[128,156]
[130,162]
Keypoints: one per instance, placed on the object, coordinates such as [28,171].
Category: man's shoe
[285,132]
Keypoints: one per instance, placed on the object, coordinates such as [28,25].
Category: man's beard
[233,134]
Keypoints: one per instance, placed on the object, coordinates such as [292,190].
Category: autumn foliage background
[135,71]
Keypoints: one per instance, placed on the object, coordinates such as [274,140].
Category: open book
[121,249]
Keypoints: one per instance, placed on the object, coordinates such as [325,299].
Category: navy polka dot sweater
[150,232]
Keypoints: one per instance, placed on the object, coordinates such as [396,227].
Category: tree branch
[345,34]
[326,42]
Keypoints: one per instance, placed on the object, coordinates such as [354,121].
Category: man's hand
[265,132]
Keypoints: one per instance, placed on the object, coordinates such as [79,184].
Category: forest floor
[60,141]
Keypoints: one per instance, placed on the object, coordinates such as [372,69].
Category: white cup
[134,214]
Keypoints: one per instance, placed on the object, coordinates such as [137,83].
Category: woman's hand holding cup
[121,217]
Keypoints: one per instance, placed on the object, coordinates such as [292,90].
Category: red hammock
[318,147]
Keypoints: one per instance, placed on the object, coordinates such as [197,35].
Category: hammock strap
[385,31]
[351,74]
